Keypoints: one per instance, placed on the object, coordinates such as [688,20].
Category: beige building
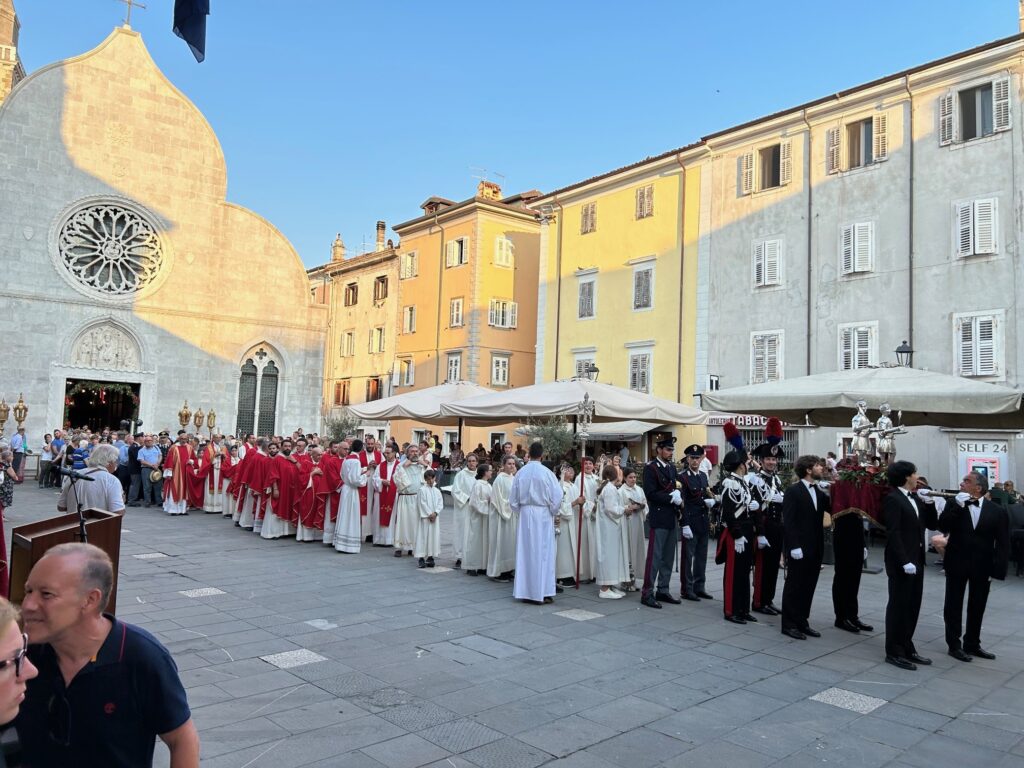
[361,294]
[11,71]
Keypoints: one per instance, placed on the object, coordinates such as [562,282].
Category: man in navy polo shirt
[105,689]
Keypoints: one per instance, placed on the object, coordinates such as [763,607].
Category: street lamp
[592,371]
[904,355]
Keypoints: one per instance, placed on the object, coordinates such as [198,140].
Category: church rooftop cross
[131,4]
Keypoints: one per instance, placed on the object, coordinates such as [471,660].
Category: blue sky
[337,113]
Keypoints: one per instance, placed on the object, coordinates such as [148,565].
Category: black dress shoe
[458,565]
[398,552]
[767,611]
[899,661]
[811,632]
[796,634]
[691,598]
[917,658]
[747,617]
[736,619]
[558,590]
[430,562]
[422,563]
[650,602]
[704,596]
[862,626]
[958,654]
[847,625]
[549,599]
[665,597]
[981,653]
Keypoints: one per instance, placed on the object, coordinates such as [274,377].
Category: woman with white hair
[103,491]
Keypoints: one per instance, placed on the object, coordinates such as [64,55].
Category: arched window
[257,391]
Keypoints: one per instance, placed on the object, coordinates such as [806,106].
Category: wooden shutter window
[863,256]
[832,150]
[1001,104]
[785,163]
[947,115]
[985,230]
[964,232]
[846,250]
[880,137]
[772,253]
[986,346]
[758,263]
[746,172]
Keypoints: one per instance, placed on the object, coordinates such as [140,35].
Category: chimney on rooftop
[488,190]
[338,249]
[380,236]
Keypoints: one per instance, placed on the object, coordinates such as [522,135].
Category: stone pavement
[295,655]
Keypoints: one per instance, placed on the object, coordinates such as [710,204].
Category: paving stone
[462,735]
[855,702]
[507,753]
[626,713]
[566,735]
[721,753]
[406,751]
[384,698]
[639,748]
[289,659]
[417,717]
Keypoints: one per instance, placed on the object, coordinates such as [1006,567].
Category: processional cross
[130,4]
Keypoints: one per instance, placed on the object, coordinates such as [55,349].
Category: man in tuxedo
[977,552]
[803,506]
[696,527]
[906,518]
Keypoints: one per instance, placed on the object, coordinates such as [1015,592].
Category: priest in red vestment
[265,477]
[331,466]
[279,515]
[371,457]
[313,503]
[229,471]
[177,466]
[255,477]
[384,485]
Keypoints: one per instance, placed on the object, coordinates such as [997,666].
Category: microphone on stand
[74,474]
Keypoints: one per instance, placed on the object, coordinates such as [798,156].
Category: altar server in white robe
[567,538]
[587,534]
[635,513]
[501,558]
[478,529]
[611,563]
[462,489]
[429,502]
[348,534]
[536,497]
[406,519]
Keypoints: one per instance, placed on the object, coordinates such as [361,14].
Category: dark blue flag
[190,24]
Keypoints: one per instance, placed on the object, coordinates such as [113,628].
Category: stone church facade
[123,262]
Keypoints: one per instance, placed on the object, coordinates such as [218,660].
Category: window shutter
[450,253]
[634,373]
[758,265]
[396,374]
[772,250]
[586,307]
[846,250]
[863,342]
[785,162]
[492,313]
[863,246]
[965,357]
[513,314]
[746,173]
[410,377]
[832,150]
[986,346]
[846,349]
[757,367]
[1001,104]
[964,231]
[593,217]
[649,200]
[771,358]
[639,202]
[946,115]
[985,225]
[412,320]
[880,137]
[369,344]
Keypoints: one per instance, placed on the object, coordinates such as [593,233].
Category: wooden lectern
[30,541]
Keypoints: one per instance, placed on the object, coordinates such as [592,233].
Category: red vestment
[331,466]
[176,486]
[364,461]
[286,489]
[261,482]
[229,471]
[388,492]
[311,504]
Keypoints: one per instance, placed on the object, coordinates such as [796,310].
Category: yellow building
[618,277]
[468,300]
[362,298]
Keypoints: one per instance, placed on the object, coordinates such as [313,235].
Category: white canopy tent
[421,404]
[626,431]
[563,398]
[830,399]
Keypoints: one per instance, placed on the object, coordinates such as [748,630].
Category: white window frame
[348,343]
[456,318]
[500,364]
[857,248]
[408,265]
[857,345]
[638,270]
[504,252]
[780,349]
[645,201]
[590,279]
[749,173]
[580,362]
[407,375]
[409,319]
[975,366]
[640,380]
[588,218]
[377,340]
[766,260]
[837,152]
[948,109]
[453,363]
[976,227]
[503,313]
[456,252]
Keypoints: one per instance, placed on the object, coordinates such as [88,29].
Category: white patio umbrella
[420,404]
[830,399]
[626,431]
[563,398]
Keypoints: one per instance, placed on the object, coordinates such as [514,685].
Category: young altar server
[635,510]
[474,559]
[429,502]
[611,564]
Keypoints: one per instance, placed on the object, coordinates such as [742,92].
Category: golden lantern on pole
[198,419]
[184,415]
[20,410]
[5,411]
[211,420]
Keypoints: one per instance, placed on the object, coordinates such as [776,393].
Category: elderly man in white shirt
[102,490]
[536,496]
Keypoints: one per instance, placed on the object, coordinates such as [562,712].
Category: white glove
[924,493]
[677,497]
[740,545]
[962,498]
[824,485]
[797,554]
[910,569]
[709,503]
[754,479]
[687,532]
[718,498]
[865,553]
[762,542]
[753,506]
[777,497]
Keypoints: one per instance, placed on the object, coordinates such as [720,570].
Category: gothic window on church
[268,398]
[247,398]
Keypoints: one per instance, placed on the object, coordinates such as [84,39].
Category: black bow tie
[974,502]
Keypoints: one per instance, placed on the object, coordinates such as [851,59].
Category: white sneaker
[610,594]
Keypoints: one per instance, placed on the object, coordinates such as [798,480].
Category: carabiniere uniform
[769,525]
[739,524]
